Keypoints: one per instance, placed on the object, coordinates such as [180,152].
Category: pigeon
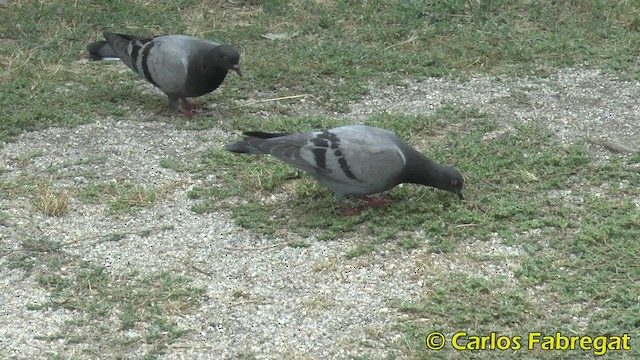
[353,160]
[181,66]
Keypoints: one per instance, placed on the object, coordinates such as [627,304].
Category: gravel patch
[262,297]
[573,103]
[19,326]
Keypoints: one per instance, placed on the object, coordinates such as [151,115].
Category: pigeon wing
[128,48]
[355,155]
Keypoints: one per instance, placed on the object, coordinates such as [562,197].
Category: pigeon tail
[101,50]
[246,146]
[242,147]
[263,135]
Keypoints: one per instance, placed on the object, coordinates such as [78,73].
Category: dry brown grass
[51,202]
[207,16]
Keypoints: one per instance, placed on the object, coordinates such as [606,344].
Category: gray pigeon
[355,160]
[181,66]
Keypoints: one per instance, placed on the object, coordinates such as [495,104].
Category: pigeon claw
[192,105]
[348,210]
[188,113]
[375,202]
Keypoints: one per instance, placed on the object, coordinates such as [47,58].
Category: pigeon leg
[174,105]
[375,202]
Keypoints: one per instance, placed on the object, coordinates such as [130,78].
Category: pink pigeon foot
[192,105]
[376,202]
[348,210]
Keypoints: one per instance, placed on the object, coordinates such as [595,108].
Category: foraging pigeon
[181,66]
[354,160]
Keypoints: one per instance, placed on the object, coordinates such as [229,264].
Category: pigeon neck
[421,170]
[205,73]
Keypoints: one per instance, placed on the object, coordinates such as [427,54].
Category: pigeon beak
[236,68]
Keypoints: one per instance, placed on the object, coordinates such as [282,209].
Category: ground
[261,296]
[127,231]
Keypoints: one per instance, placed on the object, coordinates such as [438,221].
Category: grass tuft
[51,202]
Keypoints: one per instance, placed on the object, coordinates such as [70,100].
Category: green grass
[577,252]
[173,164]
[499,174]
[573,224]
[4,218]
[340,46]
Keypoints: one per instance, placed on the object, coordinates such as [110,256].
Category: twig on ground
[192,347]
[413,37]
[273,99]
[254,248]
[204,272]
[249,302]
[613,146]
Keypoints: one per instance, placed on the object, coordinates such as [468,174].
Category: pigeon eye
[226,58]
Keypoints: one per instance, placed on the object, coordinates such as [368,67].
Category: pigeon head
[227,57]
[452,181]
